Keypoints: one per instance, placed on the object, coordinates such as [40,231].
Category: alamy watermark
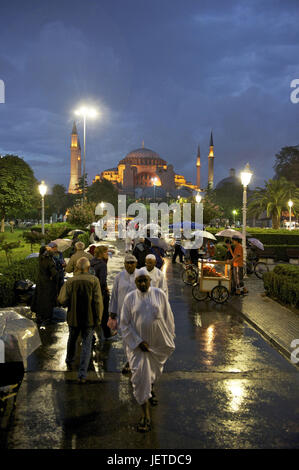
[2,92]
[295,353]
[137,222]
[294,97]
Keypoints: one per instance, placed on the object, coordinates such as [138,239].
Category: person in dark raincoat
[46,292]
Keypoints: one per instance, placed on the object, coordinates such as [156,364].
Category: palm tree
[273,198]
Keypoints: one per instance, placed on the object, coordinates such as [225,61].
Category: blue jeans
[86,334]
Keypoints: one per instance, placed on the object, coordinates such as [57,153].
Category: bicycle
[190,273]
[259,268]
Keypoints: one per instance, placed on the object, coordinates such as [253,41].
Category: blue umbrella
[187,225]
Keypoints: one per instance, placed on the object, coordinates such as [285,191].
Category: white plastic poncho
[123,284]
[147,317]
[158,280]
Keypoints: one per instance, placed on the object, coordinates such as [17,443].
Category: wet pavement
[224,387]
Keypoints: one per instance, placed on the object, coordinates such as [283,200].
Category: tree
[102,191]
[287,164]
[211,210]
[59,200]
[18,187]
[82,215]
[229,197]
[273,199]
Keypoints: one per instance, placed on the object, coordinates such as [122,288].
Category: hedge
[283,284]
[54,231]
[267,236]
[84,237]
[19,270]
[280,251]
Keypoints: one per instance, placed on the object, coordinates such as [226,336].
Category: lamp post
[198,198]
[42,190]
[234,214]
[290,204]
[246,175]
[85,112]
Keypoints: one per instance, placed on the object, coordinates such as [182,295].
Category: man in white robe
[156,275]
[124,283]
[148,332]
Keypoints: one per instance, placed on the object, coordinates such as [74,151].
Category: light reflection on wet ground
[224,387]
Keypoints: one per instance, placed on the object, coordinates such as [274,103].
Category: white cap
[142,272]
[151,257]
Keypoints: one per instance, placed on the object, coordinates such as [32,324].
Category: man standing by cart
[238,266]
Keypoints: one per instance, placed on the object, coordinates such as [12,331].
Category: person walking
[99,265]
[148,332]
[157,277]
[83,297]
[79,253]
[141,250]
[178,250]
[59,262]
[238,266]
[124,283]
[45,295]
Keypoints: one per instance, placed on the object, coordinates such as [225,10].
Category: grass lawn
[17,253]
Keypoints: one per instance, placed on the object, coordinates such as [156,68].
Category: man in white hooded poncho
[147,327]
[157,277]
[124,283]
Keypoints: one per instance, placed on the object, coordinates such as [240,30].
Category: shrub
[220,252]
[84,237]
[283,284]
[25,269]
[280,251]
[54,231]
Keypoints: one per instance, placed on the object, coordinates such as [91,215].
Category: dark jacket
[83,297]
[140,252]
[45,296]
[100,271]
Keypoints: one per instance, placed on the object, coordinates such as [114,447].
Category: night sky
[162,71]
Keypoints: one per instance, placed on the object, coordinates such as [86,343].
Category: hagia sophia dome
[143,156]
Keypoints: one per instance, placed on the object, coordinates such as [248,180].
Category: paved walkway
[276,323]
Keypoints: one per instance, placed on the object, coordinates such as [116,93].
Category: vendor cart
[214,281]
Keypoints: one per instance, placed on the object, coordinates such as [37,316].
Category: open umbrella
[63,243]
[159,242]
[203,234]
[229,232]
[257,243]
[19,335]
[32,255]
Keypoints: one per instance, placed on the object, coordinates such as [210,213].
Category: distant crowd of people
[138,308]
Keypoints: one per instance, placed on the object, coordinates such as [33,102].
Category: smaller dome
[231,179]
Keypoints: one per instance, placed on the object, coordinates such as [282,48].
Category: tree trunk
[2,225]
[275,221]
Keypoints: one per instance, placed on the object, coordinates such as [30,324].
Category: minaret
[198,168]
[75,161]
[211,164]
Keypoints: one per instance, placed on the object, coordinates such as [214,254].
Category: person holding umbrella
[238,266]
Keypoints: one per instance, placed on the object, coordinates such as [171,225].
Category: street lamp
[154,180]
[234,214]
[246,175]
[85,112]
[290,204]
[42,190]
[198,198]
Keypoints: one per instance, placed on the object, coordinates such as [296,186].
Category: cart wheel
[189,276]
[260,269]
[198,294]
[219,294]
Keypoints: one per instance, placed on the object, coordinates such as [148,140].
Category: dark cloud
[163,72]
